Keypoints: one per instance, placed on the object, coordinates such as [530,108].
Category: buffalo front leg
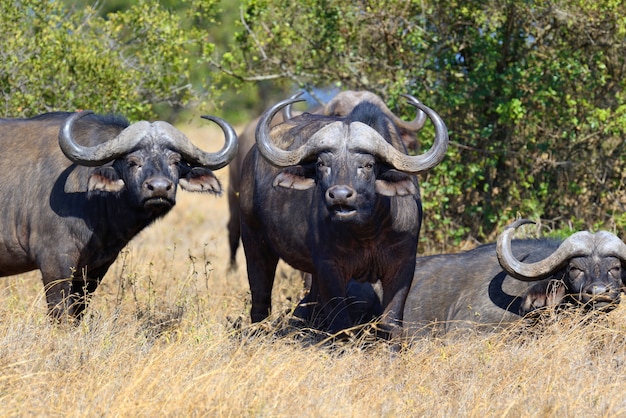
[59,299]
[331,289]
[68,297]
[395,292]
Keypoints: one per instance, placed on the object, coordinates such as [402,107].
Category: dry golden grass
[167,334]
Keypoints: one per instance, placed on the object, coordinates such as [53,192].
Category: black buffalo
[336,197]
[77,187]
[339,105]
[474,289]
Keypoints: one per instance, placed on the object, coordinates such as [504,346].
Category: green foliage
[131,62]
[533,94]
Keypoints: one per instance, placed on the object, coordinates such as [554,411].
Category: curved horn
[129,139]
[379,147]
[609,245]
[177,141]
[424,162]
[221,158]
[416,124]
[576,245]
[287,114]
[271,152]
[100,154]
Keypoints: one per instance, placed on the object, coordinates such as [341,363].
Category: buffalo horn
[287,114]
[375,145]
[129,139]
[577,245]
[344,102]
[610,245]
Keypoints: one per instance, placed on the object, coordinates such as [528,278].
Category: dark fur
[470,289]
[295,225]
[340,105]
[51,221]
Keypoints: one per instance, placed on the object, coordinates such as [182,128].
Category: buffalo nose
[599,289]
[158,185]
[340,193]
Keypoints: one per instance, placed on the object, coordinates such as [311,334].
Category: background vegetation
[533,92]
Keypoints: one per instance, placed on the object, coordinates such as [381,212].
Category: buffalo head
[586,267]
[147,161]
[350,158]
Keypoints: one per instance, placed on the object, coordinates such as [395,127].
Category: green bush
[133,62]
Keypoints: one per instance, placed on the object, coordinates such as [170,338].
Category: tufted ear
[200,179]
[105,179]
[395,183]
[294,177]
[546,293]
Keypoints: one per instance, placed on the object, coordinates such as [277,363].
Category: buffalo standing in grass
[336,197]
[339,105]
[76,188]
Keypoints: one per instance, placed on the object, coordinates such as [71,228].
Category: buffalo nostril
[158,184]
[599,290]
[343,193]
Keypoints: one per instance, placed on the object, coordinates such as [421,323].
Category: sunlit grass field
[167,334]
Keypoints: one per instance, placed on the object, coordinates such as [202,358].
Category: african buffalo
[336,197]
[77,187]
[474,288]
[340,105]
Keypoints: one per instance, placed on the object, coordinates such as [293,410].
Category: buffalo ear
[200,179]
[395,183]
[546,293]
[105,179]
[293,178]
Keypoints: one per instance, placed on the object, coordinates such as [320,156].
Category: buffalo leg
[363,302]
[261,263]
[395,292]
[59,298]
[234,228]
[67,298]
[332,301]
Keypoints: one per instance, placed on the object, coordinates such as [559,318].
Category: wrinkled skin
[71,221]
[471,290]
[340,105]
[327,216]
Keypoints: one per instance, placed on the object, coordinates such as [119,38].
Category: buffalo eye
[174,159]
[616,271]
[134,163]
[575,271]
[322,167]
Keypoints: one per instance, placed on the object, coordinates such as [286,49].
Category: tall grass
[167,334]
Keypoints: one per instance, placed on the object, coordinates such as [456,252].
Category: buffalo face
[348,171]
[150,177]
[595,281]
[147,161]
[347,182]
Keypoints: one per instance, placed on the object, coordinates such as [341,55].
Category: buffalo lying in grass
[496,284]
